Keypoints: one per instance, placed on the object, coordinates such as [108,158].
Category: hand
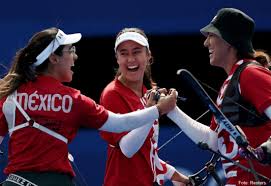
[263,152]
[260,153]
[250,153]
[178,179]
[195,180]
[153,95]
[266,149]
[167,102]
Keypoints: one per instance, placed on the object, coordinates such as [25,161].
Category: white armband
[133,141]
[126,122]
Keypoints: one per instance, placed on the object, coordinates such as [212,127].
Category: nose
[131,58]
[75,56]
[206,42]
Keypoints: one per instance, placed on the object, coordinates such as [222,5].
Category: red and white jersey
[57,107]
[145,166]
[255,87]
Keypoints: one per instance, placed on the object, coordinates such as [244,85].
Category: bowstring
[181,131]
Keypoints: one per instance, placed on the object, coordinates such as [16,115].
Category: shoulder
[77,97]
[255,72]
[113,90]
[111,87]
[72,92]
[115,97]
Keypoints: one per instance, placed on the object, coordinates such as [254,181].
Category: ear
[149,55]
[150,61]
[116,55]
[53,59]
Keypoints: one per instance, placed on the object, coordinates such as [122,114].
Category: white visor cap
[60,39]
[132,36]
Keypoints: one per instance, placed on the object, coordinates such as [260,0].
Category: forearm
[173,175]
[196,131]
[133,141]
[126,122]
[179,179]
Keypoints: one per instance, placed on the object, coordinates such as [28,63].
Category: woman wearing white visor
[42,115]
[132,157]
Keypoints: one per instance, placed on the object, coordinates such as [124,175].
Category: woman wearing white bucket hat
[42,115]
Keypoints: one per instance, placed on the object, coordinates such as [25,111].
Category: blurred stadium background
[173,31]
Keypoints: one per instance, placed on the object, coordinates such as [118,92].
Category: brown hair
[259,55]
[21,70]
[262,57]
[147,79]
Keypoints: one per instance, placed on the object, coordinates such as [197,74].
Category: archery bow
[240,138]
[220,117]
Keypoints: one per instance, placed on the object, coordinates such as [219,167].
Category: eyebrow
[136,48]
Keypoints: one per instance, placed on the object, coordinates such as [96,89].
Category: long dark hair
[21,70]
[147,79]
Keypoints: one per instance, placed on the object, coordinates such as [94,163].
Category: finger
[173,89]
[174,93]
[148,93]
[151,95]
[162,90]
[151,99]
[162,95]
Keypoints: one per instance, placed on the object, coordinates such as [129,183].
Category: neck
[229,66]
[51,74]
[230,60]
[135,86]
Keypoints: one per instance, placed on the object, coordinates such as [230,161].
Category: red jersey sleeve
[92,114]
[114,102]
[255,84]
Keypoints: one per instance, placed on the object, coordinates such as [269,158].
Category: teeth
[132,67]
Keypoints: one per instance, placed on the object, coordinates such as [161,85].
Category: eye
[71,50]
[137,51]
[123,53]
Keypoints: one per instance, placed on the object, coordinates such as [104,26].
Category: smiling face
[132,59]
[62,64]
[219,50]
